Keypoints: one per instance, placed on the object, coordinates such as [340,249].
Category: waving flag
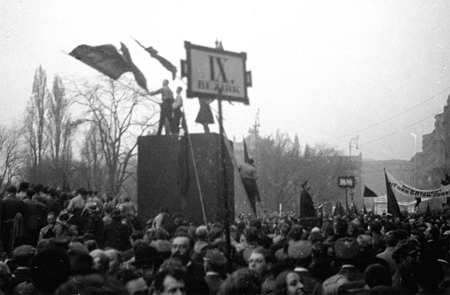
[107,60]
[164,62]
[368,193]
[392,204]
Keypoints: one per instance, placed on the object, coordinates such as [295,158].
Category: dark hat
[305,183]
[216,258]
[144,255]
[24,250]
[116,214]
[346,248]
[92,207]
[299,249]
[77,247]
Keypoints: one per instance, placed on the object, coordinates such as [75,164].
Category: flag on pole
[164,62]
[140,79]
[364,208]
[107,60]
[246,156]
[368,193]
[392,204]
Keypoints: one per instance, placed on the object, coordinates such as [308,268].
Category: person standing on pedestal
[166,107]
[205,116]
[178,113]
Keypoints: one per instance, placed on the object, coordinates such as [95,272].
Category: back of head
[376,275]
[295,233]
[92,284]
[391,238]
[243,281]
[49,269]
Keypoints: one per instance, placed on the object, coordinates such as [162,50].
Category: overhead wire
[393,117]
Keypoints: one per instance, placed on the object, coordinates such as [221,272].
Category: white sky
[321,69]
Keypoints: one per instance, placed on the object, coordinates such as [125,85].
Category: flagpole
[225,184]
[195,169]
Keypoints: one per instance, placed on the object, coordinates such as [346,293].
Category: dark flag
[368,193]
[306,203]
[354,209]
[341,209]
[428,211]
[336,209]
[140,79]
[246,157]
[392,204]
[364,208]
[164,62]
[107,60]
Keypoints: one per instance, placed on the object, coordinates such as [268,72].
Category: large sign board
[346,181]
[211,69]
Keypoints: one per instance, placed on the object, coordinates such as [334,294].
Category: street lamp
[415,157]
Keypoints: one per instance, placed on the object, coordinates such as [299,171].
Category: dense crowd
[81,243]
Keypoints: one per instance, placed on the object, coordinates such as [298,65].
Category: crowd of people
[81,243]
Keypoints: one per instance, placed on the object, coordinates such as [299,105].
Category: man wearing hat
[214,263]
[10,206]
[95,224]
[21,259]
[115,234]
[346,251]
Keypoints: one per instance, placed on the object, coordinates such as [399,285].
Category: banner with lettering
[409,191]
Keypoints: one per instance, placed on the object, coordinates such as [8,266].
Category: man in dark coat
[11,205]
[115,234]
[306,203]
[34,216]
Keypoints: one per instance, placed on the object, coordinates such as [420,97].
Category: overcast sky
[324,70]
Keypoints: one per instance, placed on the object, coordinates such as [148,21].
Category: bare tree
[118,114]
[34,131]
[60,129]
[10,156]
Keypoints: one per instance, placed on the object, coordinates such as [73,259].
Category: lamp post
[415,157]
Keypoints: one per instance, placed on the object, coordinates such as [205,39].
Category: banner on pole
[409,191]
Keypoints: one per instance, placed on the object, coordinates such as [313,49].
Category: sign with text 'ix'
[211,69]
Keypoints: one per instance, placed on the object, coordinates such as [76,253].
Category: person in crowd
[92,284]
[158,221]
[346,251]
[165,118]
[289,282]
[34,216]
[94,224]
[49,269]
[260,261]
[391,242]
[48,231]
[63,228]
[215,268]
[22,190]
[201,244]
[22,256]
[243,281]
[10,206]
[116,234]
[170,281]
[78,202]
[195,274]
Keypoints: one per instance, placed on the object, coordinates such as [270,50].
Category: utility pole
[350,145]
[255,128]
